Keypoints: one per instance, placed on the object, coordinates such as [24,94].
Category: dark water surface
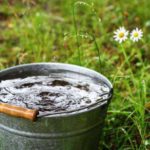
[49,94]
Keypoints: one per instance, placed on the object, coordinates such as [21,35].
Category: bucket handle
[16,111]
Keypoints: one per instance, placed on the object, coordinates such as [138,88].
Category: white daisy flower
[121,34]
[136,35]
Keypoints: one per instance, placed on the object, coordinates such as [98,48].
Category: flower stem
[127,60]
[77,37]
[98,52]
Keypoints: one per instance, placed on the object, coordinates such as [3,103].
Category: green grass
[81,33]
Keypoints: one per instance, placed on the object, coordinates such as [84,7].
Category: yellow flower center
[121,35]
[135,34]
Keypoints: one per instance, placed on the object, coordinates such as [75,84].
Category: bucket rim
[70,67]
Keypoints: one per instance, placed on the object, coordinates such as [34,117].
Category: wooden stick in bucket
[16,111]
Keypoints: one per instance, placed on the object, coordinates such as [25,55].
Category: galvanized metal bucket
[80,130]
